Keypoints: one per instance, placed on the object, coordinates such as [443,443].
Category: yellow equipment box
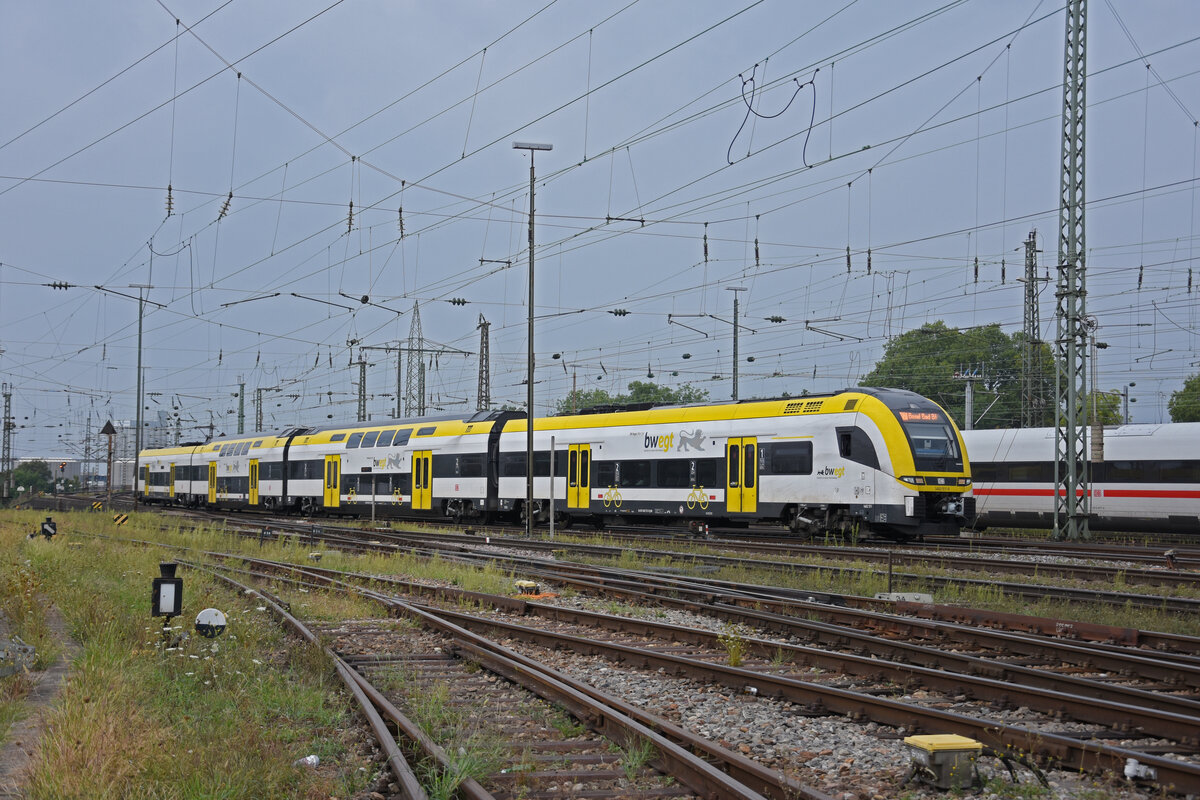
[944,759]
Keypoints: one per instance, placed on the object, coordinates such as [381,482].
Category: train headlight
[913,479]
[964,481]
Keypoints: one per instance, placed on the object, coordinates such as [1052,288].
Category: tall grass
[220,718]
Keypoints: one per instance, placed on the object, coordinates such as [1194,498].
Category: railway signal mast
[1071,497]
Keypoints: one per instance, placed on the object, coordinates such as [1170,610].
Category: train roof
[892,398]
[395,422]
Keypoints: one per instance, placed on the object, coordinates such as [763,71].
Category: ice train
[1148,478]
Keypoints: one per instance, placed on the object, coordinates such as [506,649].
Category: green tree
[1184,404]
[1108,407]
[639,392]
[928,359]
[33,475]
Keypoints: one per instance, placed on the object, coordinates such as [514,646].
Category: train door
[171,485]
[253,481]
[145,481]
[333,481]
[741,464]
[212,482]
[579,470]
[422,480]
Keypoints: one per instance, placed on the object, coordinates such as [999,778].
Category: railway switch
[946,760]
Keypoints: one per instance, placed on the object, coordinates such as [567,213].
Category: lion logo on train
[690,441]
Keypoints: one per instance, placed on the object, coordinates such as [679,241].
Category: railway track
[1065,698]
[545,755]
[1044,734]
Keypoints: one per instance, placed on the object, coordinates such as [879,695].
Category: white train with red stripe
[1147,480]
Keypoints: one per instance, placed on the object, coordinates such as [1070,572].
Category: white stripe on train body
[1147,480]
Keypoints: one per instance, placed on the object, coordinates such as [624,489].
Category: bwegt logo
[663,442]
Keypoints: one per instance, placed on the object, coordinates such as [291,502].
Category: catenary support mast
[1070,446]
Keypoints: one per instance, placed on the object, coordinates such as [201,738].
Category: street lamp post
[531,147]
[137,436]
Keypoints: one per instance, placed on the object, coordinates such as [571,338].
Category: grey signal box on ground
[49,528]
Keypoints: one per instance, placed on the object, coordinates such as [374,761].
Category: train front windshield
[935,447]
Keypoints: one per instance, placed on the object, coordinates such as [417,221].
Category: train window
[675,473]
[337,437]
[512,465]
[369,438]
[306,470]
[732,461]
[934,446]
[258,443]
[606,473]
[470,465]
[245,448]
[402,482]
[355,438]
[750,470]
[791,458]
[1125,471]
[707,471]
[585,457]
[855,445]
[573,468]
[427,431]
[984,472]
[401,437]
[1176,471]
[635,474]
[270,471]
[385,438]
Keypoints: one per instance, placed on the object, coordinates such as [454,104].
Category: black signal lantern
[166,594]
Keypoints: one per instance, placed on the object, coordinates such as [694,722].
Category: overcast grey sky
[925,133]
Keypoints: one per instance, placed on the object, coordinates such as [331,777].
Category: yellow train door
[579,470]
[145,481]
[741,464]
[171,485]
[253,481]
[333,481]
[422,480]
[212,481]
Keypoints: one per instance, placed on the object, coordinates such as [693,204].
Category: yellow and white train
[883,461]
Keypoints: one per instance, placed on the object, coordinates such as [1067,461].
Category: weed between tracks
[862,578]
[473,750]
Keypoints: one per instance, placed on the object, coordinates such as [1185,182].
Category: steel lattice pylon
[414,390]
[484,397]
[1033,399]
[6,465]
[1070,441]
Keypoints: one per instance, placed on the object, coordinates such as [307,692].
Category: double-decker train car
[880,461]
[1147,480]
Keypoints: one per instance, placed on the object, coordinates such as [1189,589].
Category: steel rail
[1066,751]
[1069,753]
[741,770]
[410,787]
